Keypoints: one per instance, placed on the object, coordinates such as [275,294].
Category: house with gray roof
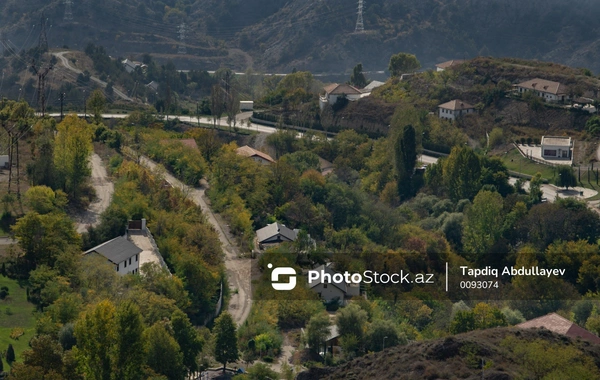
[120,252]
[560,325]
[556,147]
[275,233]
[329,290]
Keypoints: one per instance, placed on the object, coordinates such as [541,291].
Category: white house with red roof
[335,91]
[455,109]
[551,92]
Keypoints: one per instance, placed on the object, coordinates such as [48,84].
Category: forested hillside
[316,35]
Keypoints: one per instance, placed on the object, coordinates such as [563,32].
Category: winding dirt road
[104,191]
[238,269]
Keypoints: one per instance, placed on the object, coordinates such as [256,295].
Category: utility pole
[68,10]
[360,26]
[62,99]
[182,32]
[41,95]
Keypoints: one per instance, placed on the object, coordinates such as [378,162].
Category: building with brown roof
[335,91]
[455,109]
[549,91]
[560,325]
[256,155]
[444,65]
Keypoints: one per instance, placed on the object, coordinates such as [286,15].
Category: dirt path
[104,190]
[286,353]
[238,269]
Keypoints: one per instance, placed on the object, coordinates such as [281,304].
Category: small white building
[556,147]
[455,109]
[120,252]
[328,290]
[444,65]
[335,91]
[246,105]
[130,66]
[256,155]
[549,91]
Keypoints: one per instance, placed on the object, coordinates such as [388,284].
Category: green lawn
[517,163]
[20,314]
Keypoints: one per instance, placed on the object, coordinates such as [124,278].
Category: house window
[324,286]
[125,264]
[117,267]
[550,152]
[136,257]
[130,261]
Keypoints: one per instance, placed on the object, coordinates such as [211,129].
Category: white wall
[330,292]
[133,265]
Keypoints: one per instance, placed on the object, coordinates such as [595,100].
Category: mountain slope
[317,35]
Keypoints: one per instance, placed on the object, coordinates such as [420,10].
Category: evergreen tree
[225,340]
[10,354]
[462,173]
[185,334]
[406,159]
[357,78]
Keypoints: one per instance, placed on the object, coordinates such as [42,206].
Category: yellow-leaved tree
[72,148]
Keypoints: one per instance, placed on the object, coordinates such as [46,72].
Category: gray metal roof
[274,229]
[116,250]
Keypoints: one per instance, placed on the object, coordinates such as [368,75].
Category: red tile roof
[341,89]
[560,325]
[456,105]
[454,62]
[544,86]
[250,152]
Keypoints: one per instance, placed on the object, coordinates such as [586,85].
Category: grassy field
[515,162]
[15,311]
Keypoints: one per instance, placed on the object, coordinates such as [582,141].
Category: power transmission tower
[68,10]
[360,26]
[43,41]
[182,33]
[41,94]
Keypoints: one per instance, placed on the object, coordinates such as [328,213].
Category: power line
[360,27]
[43,41]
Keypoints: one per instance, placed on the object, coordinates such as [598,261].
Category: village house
[335,91]
[556,147]
[130,66]
[256,155]
[329,290]
[549,91]
[276,233]
[560,325]
[455,109]
[121,253]
[444,65]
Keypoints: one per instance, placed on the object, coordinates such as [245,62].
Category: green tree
[97,103]
[73,146]
[565,177]
[130,349]
[96,337]
[535,189]
[45,353]
[226,349]
[261,371]
[164,354]
[383,329]
[10,354]
[357,78]
[43,199]
[461,173]
[482,225]
[351,321]
[317,331]
[186,336]
[406,159]
[403,63]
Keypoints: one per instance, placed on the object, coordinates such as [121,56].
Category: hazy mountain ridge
[319,35]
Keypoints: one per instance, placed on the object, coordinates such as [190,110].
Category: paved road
[65,62]
[238,269]
[104,191]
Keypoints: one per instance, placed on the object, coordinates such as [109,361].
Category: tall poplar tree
[406,159]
